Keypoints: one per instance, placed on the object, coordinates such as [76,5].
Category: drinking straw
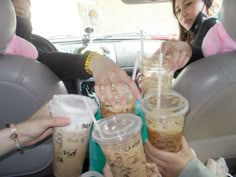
[159,79]
[139,56]
[93,118]
[135,66]
[141,42]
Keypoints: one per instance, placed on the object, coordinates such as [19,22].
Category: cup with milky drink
[165,116]
[70,142]
[121,143]
[150,70]
[108,109]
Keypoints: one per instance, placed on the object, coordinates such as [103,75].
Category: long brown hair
[183,35]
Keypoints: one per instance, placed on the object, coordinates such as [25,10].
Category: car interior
[25,84]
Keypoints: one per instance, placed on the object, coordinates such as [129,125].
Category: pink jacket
[217,41]
[19,46]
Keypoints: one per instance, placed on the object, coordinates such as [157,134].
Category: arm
[195,168]
[176,164]
[104,71]
[31,131]
[65,65]
[197,54]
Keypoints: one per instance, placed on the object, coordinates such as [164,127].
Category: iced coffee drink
[108,110]
[122,145]
[70,142]
[165,121]
[69,148]
[150,73]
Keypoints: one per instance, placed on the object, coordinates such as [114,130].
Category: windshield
[52,18]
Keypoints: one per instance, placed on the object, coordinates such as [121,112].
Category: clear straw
[159,80]
[141,43]
[136,66]
[93,118]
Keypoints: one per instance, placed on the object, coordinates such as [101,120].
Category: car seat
[209,85]
[25,85]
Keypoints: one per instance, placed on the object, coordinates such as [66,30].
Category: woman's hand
[107,76]
[178,53]
[39,126]
[168,163]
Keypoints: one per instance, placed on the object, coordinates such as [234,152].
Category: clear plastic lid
[117,127]
[171,104]
[91,174]
[71,104]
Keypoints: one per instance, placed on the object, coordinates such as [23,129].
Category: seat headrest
[227,15]
[7,23]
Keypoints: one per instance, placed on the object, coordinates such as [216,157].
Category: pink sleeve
[217,41]
[211,43]
[19,46]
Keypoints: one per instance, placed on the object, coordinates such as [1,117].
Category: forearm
[99,63]
[7,143]
[65,65]
[195,168]
[196,54]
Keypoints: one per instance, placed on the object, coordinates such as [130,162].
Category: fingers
[180,53]
[56,122]
[107,171]
[185,149]
[98,89]
[154,169]
[131,84]
[154,154]
[113,84]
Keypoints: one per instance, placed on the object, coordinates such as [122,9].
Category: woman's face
[187,10]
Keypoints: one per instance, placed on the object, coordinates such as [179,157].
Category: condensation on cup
[122,144]
[150,72]
[165,119]
[108,110]
[70,142]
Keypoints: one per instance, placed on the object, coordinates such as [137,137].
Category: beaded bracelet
[87,62]
[14,136]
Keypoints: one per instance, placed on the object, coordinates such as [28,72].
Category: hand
[107,171]
[169,164]
[106,75]
[152,170]
[179,53]
[151,167]
[39,126]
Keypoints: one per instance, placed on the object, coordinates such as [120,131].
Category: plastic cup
[70,142]
[122,145]
[108,110]
[165,122]
[91,174]
[150,73]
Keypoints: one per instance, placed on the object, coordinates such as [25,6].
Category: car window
[71,17]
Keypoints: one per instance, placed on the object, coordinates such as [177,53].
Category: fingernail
[67,120]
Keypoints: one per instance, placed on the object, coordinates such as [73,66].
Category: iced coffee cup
[70,142]
[108,110]
[122,145]
[165,119]
[150,72]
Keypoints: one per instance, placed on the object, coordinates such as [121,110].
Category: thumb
[184,144]
[56,122]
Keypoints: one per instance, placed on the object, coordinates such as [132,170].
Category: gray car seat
[210,87]
[25,85]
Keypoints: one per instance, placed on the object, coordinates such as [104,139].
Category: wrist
[14,136]
[98,62]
